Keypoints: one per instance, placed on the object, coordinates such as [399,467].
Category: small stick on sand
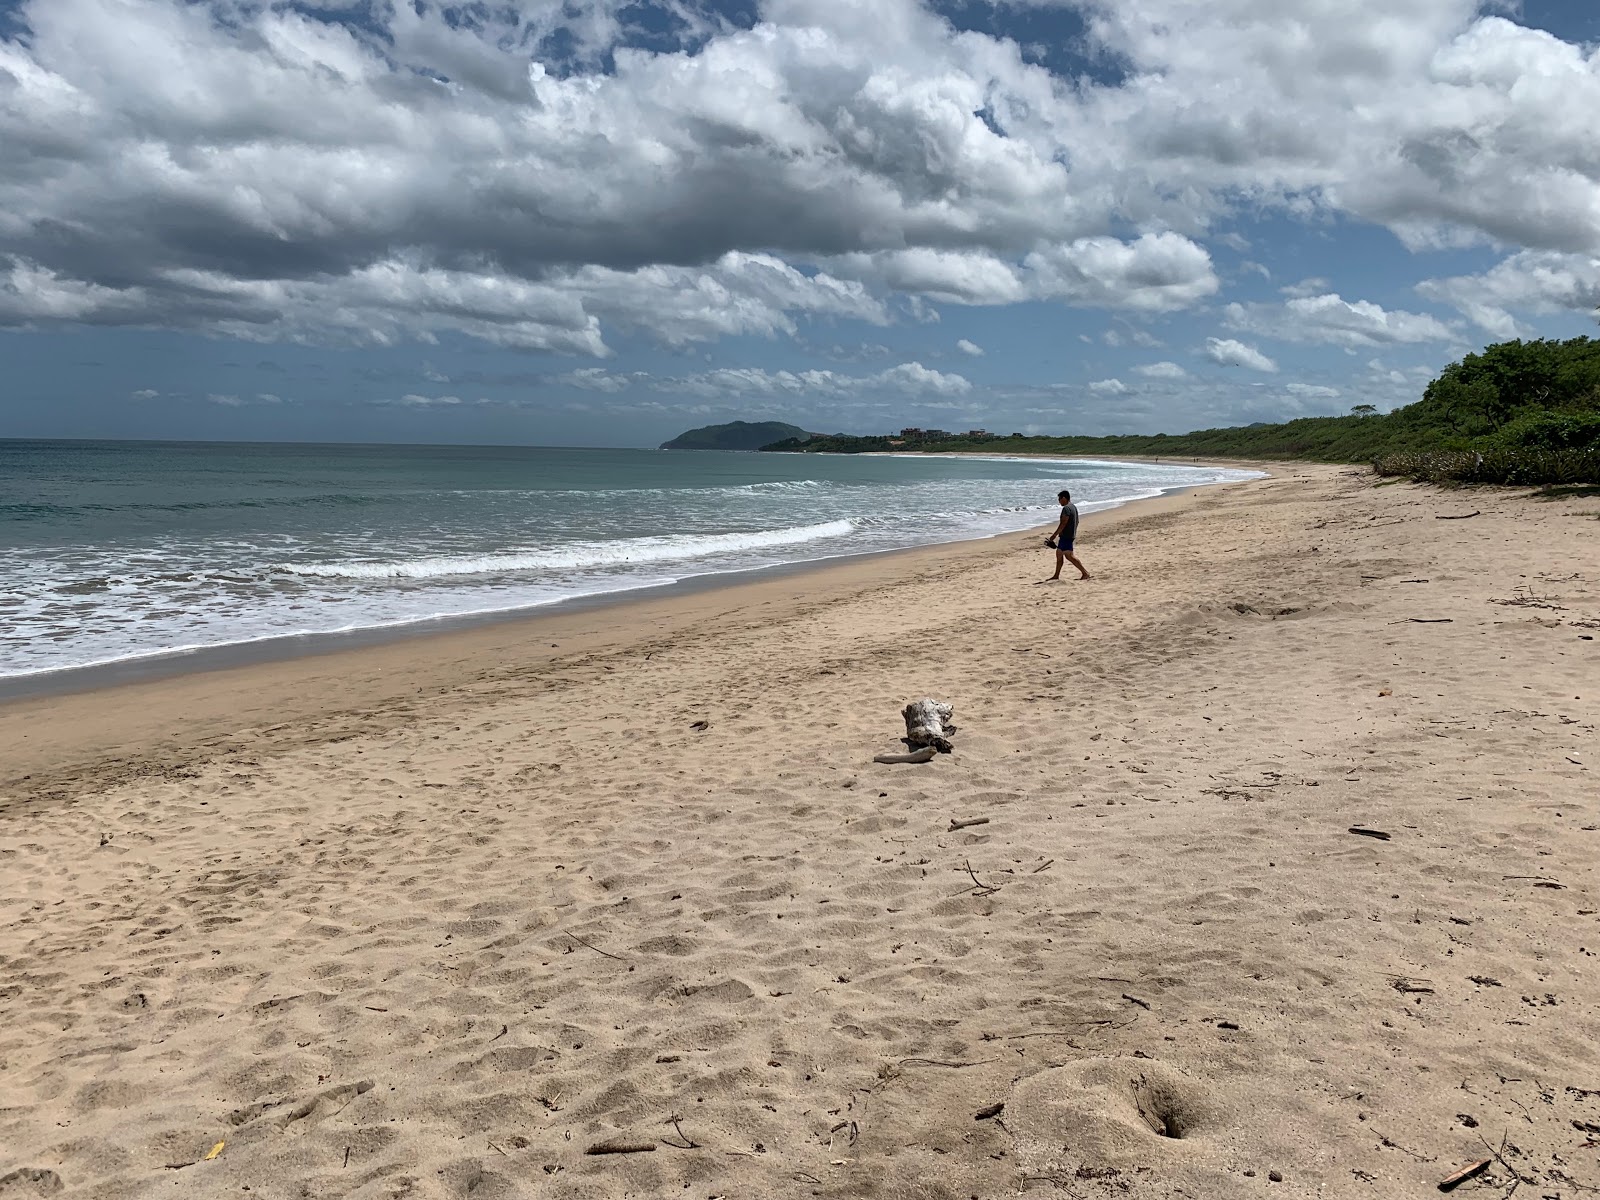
[1371,833]
[1467,1172]
[1432,620]
[1135,1000]
[1456,516]
[923,755]
[1045,866]
[994,1110]
[688,1142]
[593,947]
[978,885]
[955,824]
[621,1148]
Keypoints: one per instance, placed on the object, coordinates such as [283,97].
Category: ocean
[128,551]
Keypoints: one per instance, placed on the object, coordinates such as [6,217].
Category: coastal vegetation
[1516,412]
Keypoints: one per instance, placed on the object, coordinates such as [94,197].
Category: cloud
[1532,281]
[910,379]
[972,348]
[1226,352]
[1161,370]
[1312,391]
[1109,387]
[1154,272]
[1314,286]
[1335,321]
[144,394]
[596,379]
[412,400]
[542,176]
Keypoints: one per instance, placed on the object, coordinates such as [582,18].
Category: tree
[1365,410]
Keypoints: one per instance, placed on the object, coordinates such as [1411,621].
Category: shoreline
[371,667]
[176,663]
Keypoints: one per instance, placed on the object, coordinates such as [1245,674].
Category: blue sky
[598,223]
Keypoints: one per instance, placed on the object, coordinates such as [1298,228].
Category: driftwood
[1456,1180]
[916,756]
[928,724]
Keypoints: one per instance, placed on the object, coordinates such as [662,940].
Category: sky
[583,222]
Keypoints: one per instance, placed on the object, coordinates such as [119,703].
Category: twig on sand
[504,1029]
[595,948]
[1144,1004]
[621,1148]
[979,887]
[955,824]
[1371,833]
[1394,1145]
[1431,620]
[1456,516]
[993,1110]
[1044,866]
[1500,1158]
[939,1062]
[688,1142]
[1454,1181]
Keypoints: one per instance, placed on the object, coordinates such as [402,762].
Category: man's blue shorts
[1063,547]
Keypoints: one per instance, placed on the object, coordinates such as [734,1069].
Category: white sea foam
[177,578]
[577,556]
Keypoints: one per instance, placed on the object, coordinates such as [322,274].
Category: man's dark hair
[1063,495]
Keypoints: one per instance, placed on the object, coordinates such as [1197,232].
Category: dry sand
[433,919]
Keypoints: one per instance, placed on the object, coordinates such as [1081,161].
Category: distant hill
[736,435]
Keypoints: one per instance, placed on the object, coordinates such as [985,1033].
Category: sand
[435,919]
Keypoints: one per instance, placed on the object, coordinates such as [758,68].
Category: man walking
[1065,535]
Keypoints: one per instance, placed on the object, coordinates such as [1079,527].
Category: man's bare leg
[1083,571]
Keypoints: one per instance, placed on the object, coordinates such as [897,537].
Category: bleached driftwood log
[916,756]
[928,724]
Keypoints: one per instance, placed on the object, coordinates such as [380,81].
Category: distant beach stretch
[1265,864]
[135,551]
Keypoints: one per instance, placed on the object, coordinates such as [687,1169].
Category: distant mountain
[735,435]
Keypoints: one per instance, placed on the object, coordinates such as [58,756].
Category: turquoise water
[124,550]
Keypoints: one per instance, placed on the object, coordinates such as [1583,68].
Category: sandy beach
[1285,883]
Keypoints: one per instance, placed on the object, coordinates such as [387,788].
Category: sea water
[119,551]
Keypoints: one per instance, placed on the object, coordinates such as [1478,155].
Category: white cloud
[227,400]
[374,173]
[972,348]
[910,379]
[412,400]
[144,394]
[1333,320]
[1312,391]
[1314,286]
[1109,387]
[597,379]
[1161,370]
[1532,281]
[1226,352]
